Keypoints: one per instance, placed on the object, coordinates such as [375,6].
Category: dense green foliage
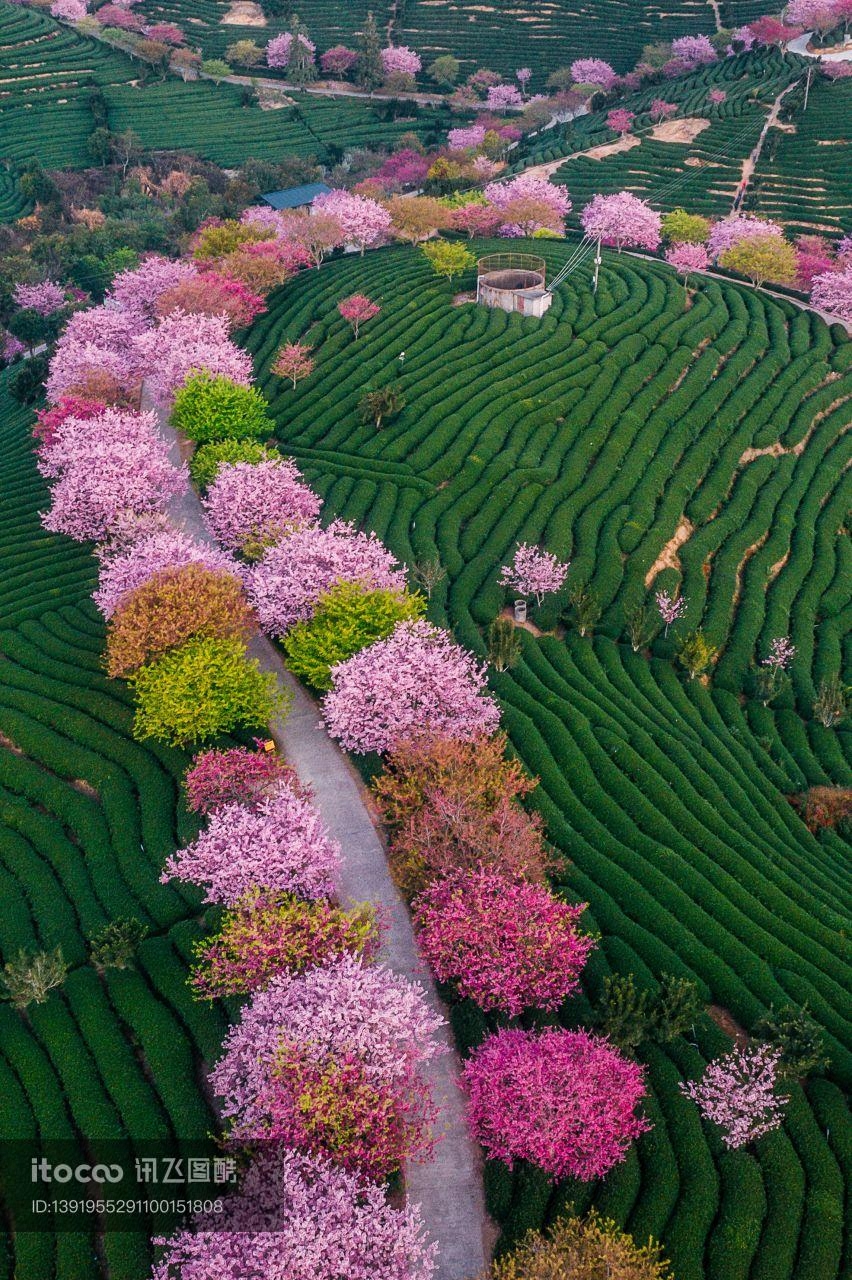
[208,408]
[207,460]
[594,432]
[89,817]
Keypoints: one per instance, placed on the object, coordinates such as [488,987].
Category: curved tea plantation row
[596,432]
[88,815]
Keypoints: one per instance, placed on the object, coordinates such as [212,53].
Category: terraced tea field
[88,815]
[46,71]
[599,431]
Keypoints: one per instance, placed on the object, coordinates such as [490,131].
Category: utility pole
[808,87]
[597,265]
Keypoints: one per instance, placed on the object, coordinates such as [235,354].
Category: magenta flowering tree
[501,96]
[716,97]
[165,33]
[103,476]
[68,10]
[236,775]
[738,1093]
[362,221]
[185,343]
[737,227]
[298,1217]
[113,15]
[358,309]
[10,347]
[622,219]
[528,187]
[339,1008]
[593,71]
[620,121]
[566,1101]
[832,292]
[400,60]
[477,219]
[338,61]
[48,421]
[693,51]
[257,502]
[129,564]
[687,258]
[662,110]
[844,246]
[813,258]
[101,341]
[417,681]
[742,40]
[506,944]
[138,289]
[45,298]
[466,138]
[533,572]
[285,585]
[281,844]
[670,608]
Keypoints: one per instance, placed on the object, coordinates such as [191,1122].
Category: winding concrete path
[800,46]
[449,1187]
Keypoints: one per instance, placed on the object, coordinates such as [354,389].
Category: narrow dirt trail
[448,1188]
[753,159]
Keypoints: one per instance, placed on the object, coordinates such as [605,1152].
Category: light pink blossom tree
[736,227]
[76,440]
[716,97]
[294,361]
[139,288]
[526,186]
[466,137]
[279,844]
[832,292]
[687,258]
[183,344]
[670,608]
[620,121]
[693,51]
[738,1093]
[662,110]
[98,340]
[593,71]
[298,1217]
[622,219]
[363,222]
[416,681]
[128,565]
[68,10]
[358,309]
[506,944]
[400,60]
[501,96]
[45,298]
[279,51]
[566,1101]
[523,75]
[257,502]
[285,585]
[533,572]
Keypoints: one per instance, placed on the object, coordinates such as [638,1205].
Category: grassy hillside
[88,817]
[597,431]
[47,70]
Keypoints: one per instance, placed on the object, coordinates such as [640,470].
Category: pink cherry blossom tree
[566,1101]
[670,608]
[662,110]
[620,121]
[68,10]
[257,502]
[622,219]
[299,1217]
[716,97]
[693,51]
[128,565]
[286,584]
[416,681]
[294,360]
[738,1093]
[362,221]
[77,439]
[737,227]
[45,298]
[48,421]
[742,40]
[593,71]
[235,775]
[98,340]
[400,60]
[183,344]
[358,309]
[466,137]
[279,51]
[506,944]
[526,186]
[138,288]
[477,219]
[523,75]
[832,292]
[501,96]
[533,572]
[686,259]
[280,844]
[338,61]
[344,1006]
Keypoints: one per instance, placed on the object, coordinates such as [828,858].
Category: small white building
[513,282]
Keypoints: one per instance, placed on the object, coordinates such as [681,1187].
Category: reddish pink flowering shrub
[48,421]
[127,565]
[287,582]
[338,60]
[593,71]
[622,219]
[235,775]
[112,15]
[299,1217]
[267,934]
[258,502]
[333,1108]
[281,845]
[563,1100]
[416,681]
[620,121]
[737,1093]
[358,310]
[363,222]
[477,219]
[505,944]
[183,344]
[211,293]
[165,33]
[342,1008]
[533,572]
[813,257]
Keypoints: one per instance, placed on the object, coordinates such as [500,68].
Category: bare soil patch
[612,148]
[724,1019]
[669,557]
[685,130]
[244,13]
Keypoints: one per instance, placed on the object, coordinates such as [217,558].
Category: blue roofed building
[295,197]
